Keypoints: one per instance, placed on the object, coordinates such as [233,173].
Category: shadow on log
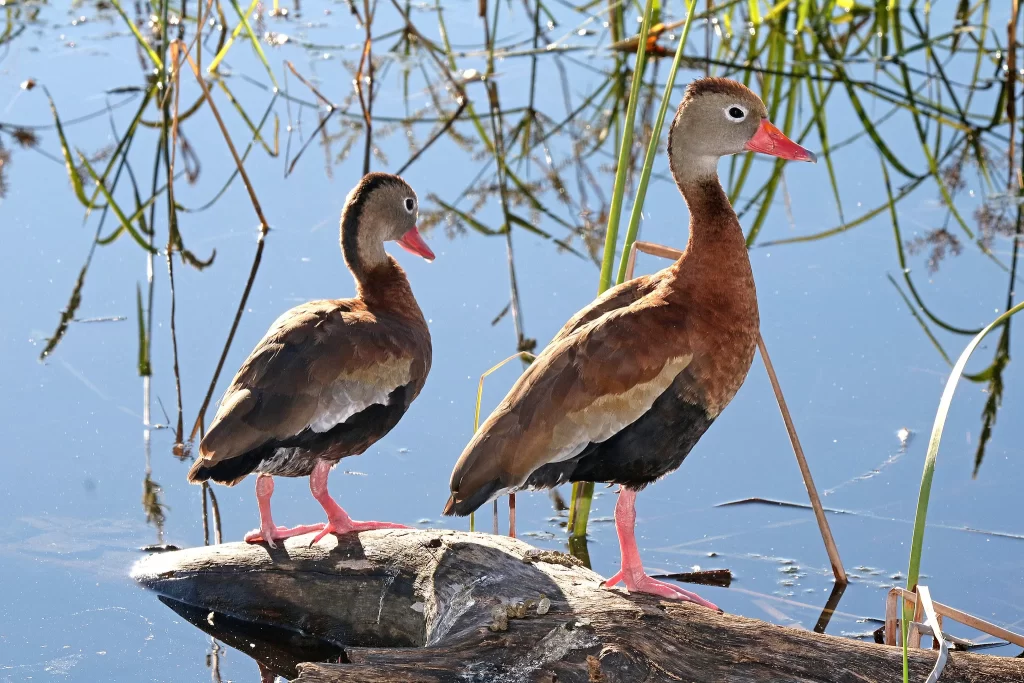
[432,607]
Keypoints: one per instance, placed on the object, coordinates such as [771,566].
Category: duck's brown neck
[387,288]
[380,281]
[715,261]
[712,218]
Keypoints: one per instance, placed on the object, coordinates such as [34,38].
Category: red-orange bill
[770,140]
[413,242]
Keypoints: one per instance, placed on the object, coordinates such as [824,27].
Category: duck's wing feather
[596,378]
[611,299]
[319,363]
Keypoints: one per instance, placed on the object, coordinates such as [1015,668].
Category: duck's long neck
[715,262]
[380,281]
[362,254]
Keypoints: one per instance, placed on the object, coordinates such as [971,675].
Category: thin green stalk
[579,504]
[65,150]
[222,53]
[138,36]
[619,189]
[113,205]
[652,150]
[917,544]
[244,18]
[583,493]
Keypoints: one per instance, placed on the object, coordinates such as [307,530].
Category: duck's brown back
[624,393]
[327,381]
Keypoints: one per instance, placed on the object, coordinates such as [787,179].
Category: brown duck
[330,377]
[631,383]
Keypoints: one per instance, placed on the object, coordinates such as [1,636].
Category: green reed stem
[579,510]
[242,24]
[583,492]
[625,145]
[914,572]
[138,36]
[652,150]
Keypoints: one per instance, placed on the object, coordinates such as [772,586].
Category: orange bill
[770,140]
[413,242]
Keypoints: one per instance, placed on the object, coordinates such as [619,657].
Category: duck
[631,383]
[331,377]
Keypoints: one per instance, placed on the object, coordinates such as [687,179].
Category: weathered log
[419,606]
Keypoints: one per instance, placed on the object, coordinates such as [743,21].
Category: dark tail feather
[199,472]
[229,472]
[463,508]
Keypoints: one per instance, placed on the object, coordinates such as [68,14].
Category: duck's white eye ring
[736,113]
[410,204]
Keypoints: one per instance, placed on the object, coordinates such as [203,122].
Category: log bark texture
[419,607]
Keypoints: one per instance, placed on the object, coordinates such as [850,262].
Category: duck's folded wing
[318,364]
[615,298]
[583,389]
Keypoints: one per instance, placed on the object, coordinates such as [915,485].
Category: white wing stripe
[344,399]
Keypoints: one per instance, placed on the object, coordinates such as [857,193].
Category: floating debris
[159,548]
[705,577]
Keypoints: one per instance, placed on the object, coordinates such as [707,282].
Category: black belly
[297,455]
[642,452]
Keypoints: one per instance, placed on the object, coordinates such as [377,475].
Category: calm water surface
[856,367]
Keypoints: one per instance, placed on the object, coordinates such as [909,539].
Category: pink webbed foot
[338,521]
[279,533]
[268,531]
[642,583]
[345,525]
[632,573]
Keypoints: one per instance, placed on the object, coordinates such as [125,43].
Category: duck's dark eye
[410,204]
[736,113]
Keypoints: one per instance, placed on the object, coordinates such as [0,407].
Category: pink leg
[268,531]
[632,572]
[338,521]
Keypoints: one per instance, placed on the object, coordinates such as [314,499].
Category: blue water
[854,364]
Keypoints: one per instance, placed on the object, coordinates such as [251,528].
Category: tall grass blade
[223,52]
[611,238]
[138,36]
[125,223]
[145,370]
[65,150]
[652,149]
[625,145]
[244,18]
[583,493]
[917,544]
[68,314]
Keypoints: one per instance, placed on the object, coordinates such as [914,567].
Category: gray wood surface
[419,606]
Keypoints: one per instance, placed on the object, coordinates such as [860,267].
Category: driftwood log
[432,606]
